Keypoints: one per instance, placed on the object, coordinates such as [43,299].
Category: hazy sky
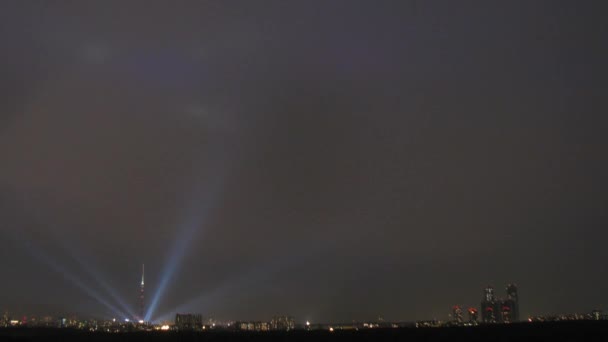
[331,160]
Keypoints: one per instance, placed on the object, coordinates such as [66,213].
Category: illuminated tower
[513,301]
[141,294]
[489,310]
[506,312]
[457,314]
[489,294]
[473,315]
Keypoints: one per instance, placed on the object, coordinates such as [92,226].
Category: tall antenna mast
[141,293]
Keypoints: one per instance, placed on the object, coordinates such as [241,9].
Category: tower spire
[141,294]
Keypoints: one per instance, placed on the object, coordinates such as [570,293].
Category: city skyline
[330,161]
[490,301]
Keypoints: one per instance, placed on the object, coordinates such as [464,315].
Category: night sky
[330,160]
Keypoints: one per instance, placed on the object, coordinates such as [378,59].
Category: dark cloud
[331,161]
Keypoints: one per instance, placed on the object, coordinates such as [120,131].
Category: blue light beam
[252,277]
[37,253]
[205,196]
[109,290]
[198,212]
[46,259]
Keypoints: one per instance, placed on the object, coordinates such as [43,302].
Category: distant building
[495,310]
[489,306]
[506,312]
[188,322]
[5,322]
[283,323]
[428,324]
[513,302]
[488,294]
[457,314]
[473,315]
[487,313]
[252,326]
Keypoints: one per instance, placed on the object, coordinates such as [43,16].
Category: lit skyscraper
[506,312]
[489,294]
[5,320]
[283,323]
[188,322]
[489,307]
[457,314]
[495,310]
[472,315]
[513,301]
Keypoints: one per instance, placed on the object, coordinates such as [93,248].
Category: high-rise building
[487,313]
[252,326]
[5,320]
[489,306]
[506,312]
[489,294]
[513,302]
[457,314]
[495,310]
[472,315]
[188,322]
[283,323]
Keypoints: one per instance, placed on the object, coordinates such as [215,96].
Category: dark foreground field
[563,331]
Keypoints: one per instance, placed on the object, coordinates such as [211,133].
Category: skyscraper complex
[494,310]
